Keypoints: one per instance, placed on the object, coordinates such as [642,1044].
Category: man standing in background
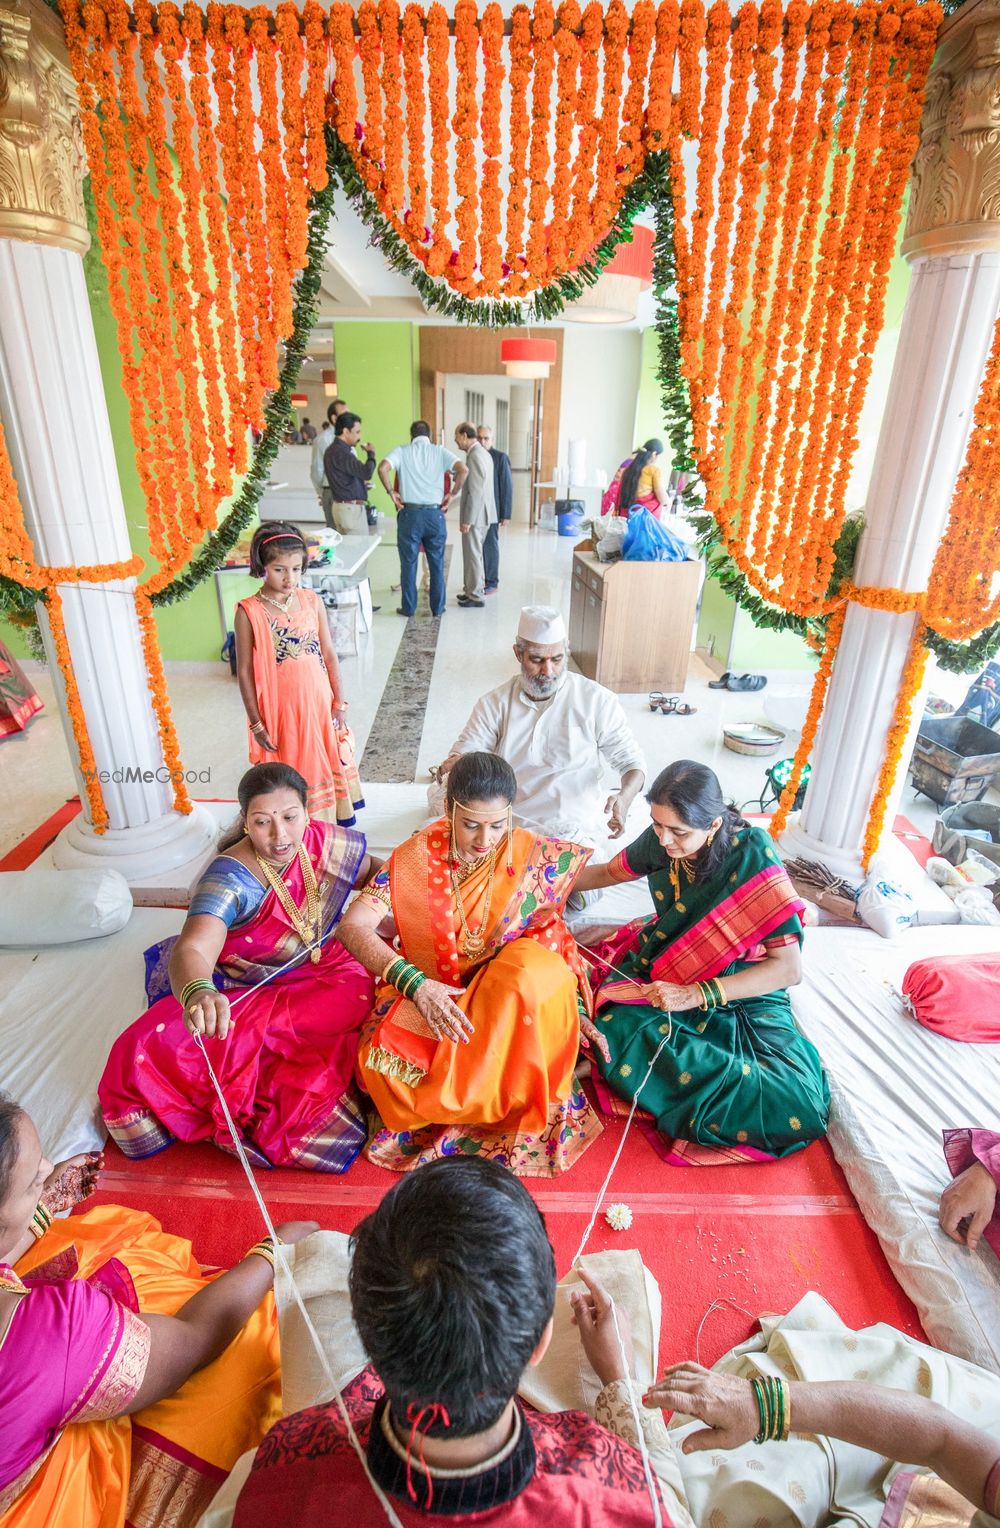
[348,478]
[420,499]
[477,513]
[503,493]
[317,466]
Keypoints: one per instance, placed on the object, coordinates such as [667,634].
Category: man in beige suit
[477,512]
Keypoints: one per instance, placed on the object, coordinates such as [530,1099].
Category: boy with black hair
[453,1289]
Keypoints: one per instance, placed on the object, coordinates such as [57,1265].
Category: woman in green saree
[710,971]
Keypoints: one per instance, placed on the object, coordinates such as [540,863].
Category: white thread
[621,1144]
[279,1253]
[647,1467]
[589,954]
[716,1305]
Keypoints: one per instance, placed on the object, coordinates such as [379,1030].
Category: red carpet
[759,1235]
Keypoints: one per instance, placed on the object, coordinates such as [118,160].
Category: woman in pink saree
[263,913]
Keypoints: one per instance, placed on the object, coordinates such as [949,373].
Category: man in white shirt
[554,729]
[317,464]
[422,504]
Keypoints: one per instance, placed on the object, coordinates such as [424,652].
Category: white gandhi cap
[542,624]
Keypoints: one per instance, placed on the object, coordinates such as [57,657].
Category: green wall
[648,412]
[378,370]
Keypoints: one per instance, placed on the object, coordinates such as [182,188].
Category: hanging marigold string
[783,239]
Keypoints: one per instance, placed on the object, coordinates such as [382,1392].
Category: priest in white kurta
[556,729]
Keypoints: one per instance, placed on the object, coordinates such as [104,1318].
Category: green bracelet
[200,984]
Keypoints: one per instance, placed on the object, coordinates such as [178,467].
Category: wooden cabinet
[630,623]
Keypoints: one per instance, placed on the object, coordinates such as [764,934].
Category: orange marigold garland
[568,53]
[490,252]
[899,731]
[810,726]
[416,111]
[290,51]
[438,49]
[520,138]
[465,124]
[964,586]
[392,91]
[74,710]
[578,242]
[344,48]
[317,58]
[370,48]
[235,205]
[161,700]
[214,487]
[542,30]
[605,201]
[234,432]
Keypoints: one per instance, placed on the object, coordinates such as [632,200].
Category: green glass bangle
[762,1411]
[200,984]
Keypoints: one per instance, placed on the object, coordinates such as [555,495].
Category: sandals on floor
[670,705]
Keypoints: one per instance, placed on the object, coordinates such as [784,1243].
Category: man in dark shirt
[348,477]
[503,493]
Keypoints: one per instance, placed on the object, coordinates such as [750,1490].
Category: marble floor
[411,687]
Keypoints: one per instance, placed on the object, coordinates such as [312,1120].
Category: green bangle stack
[406,978]
[40,1222]
[711,994]
[773,1409]
[200,984]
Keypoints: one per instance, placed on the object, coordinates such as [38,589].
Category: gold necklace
[675,878]
[473,943]
[284,608]
[305,923]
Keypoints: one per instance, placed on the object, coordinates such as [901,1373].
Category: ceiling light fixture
[527,357]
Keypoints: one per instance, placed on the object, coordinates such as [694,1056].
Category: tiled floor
[416,723]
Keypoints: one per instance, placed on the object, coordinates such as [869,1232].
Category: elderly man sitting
[554,728]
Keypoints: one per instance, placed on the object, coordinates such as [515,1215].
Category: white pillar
[953,239]
[55,421]
[945,337]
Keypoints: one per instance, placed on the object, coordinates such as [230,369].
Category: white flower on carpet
[618,1217]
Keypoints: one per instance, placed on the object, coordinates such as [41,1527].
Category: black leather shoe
[468,603]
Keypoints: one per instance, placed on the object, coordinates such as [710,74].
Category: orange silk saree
[510,1093]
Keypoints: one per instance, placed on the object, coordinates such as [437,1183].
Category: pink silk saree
[79,1352]
[286,1066]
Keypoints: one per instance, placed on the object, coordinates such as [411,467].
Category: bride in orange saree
[472,1044]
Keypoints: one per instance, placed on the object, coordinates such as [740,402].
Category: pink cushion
[957,995]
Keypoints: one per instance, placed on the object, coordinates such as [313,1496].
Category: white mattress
[61,1010]
[895,1086]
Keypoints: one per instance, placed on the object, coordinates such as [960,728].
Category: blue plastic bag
[646,540]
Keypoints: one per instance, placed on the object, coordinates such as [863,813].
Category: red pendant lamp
[527,357]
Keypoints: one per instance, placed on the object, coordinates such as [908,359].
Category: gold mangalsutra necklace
[305,923]
[473,943]
[675,875]
[284,608]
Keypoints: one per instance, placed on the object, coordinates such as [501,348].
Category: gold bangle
[265,1249]
[722,993]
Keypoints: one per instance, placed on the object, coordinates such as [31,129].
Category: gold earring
[711,834]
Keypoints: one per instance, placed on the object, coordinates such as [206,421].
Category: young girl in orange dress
[290,680]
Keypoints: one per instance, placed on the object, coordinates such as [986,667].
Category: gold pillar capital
[42,161]
[955,188]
